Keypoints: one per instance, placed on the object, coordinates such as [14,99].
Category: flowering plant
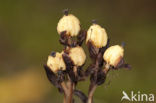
[65,69]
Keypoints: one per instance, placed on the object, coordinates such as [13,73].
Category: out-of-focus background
[28,35]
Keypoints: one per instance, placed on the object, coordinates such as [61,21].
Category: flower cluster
[65,69]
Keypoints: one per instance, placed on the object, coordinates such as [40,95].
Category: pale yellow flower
[70,24]
[97,35]
[77,55]
[113,55]
[56,62]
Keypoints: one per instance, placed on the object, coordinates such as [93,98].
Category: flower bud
[70,24]
[97,35]
[77,55]
[113,55]
[56,62]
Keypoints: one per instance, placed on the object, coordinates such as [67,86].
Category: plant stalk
[70,92]
[90,94]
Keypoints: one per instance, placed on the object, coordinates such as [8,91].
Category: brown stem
[64,87]
[70,92]
[64,99]
[65,91]
[91,93]
[93,86]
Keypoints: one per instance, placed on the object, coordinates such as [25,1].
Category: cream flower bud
[113,55]
[77,55]
[70,24]
[56,62]
[97,35]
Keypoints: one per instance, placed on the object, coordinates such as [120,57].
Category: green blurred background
[28,35]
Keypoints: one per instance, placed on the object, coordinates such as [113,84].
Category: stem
[91,93]
[64,87]
[92,87]
[75,70]
[106,69]
[70,92]
[65,91]
[64,99]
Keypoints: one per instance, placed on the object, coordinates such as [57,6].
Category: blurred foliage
[28,35]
